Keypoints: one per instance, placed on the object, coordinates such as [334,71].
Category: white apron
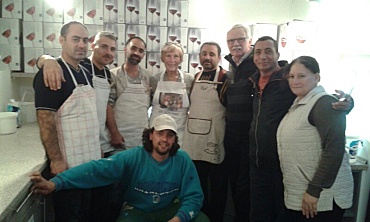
[78,126]
[205,126]
[171,98]
[102,90]
[131,111]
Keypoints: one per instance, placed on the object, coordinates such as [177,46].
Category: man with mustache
[205,130]
[239,115]
[103,49]
[69,131]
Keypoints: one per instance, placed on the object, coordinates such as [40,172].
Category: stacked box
[119,31]
[194,64]
[179,35]
[135,30]
[177,13]
[110,11]
[194,41]
[74,12]
[156,12]
[32,10]
[93,12]
[92,31]
[30,58]
[10,30]
[33,35]
[11,57]
[53,52]
[11,9]
[52,13]
[135,12]
[51,35]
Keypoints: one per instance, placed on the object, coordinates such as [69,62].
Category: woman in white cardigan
[318,184]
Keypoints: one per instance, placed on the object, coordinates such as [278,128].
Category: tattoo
[48,134]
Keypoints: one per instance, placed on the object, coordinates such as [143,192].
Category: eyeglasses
[239,40]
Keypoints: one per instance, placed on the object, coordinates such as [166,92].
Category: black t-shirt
[86,62]
[46,99]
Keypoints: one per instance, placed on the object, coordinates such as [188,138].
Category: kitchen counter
[20,154]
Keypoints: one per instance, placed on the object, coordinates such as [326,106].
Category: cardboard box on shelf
[120,11]
[74,12]
[155,36]
[11,57]
[110,11]
[11,9]
[135,30]
[93,12]
[51,35]
[179,35]
[30,58]
[177,13]
[32,10]
[156,12]
[135,12]
[194,64]
[52,13]
[119,31]
[195,36]
[33,35]
[10,30]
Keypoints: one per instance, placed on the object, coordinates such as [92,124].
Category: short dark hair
[148,145]
[135,37]
[309,62]
[65,27]
[266,38]
[212,43]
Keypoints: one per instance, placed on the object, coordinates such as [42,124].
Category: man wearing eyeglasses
[239,114]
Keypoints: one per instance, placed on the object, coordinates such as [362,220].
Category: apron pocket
[199,126]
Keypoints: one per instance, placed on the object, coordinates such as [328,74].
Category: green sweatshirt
[149,185]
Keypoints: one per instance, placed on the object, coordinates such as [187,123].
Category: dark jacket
[239,110]
[268,110]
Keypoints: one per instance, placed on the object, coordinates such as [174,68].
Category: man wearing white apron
[68,120]
[129,100]
[205,129]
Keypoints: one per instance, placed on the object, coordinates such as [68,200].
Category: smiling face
[162,141]
[238,42]
[172,60]
[302,80]
[209,57]
[265,56]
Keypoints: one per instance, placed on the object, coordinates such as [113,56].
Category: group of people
[241,127]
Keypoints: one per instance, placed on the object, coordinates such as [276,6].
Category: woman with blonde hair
[171,88]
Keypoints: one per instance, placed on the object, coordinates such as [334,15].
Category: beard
[134,60]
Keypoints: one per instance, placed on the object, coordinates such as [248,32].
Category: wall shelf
[22,75]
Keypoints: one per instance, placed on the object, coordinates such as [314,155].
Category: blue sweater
[148,185]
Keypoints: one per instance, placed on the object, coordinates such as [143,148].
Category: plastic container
[28,111]
[8,122]
[13,106]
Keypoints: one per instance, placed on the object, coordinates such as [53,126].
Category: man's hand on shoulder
[52,72]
